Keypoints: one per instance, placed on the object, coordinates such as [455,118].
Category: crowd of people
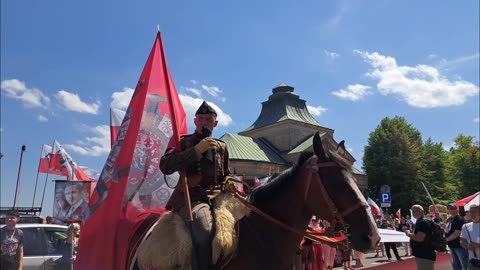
[315,255]
[461,233]
[12,242]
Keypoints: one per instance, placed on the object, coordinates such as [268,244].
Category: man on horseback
[203,160]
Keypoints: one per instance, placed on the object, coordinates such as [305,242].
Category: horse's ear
[318,147]
[341,148]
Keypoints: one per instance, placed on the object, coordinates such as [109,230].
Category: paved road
[408,263]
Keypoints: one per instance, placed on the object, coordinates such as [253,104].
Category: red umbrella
[466,200]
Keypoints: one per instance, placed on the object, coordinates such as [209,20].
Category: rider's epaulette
[185,136]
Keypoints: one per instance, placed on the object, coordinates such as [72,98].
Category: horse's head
[332,194]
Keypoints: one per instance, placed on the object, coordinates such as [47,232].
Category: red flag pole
[36,179]
[188,204]
[43,195]
[18,176]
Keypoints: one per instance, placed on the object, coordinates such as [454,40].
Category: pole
[35,190]
[43,195]
[188,204]
[18,176]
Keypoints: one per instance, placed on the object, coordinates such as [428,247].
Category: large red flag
[116,117]
[131,186]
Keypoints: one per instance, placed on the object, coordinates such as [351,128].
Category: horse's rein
[337,216]
[331,205]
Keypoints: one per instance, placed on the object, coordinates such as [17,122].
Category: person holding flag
[203,160]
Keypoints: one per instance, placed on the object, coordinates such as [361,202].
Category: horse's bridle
[315,172]
[338,216]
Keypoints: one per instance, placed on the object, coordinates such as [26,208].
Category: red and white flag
[374,207]
[131,187]
[240,187]
[45,159]
[398,214]
[116,118]
[61,163]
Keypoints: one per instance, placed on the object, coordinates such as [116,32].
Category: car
[24,218]
[42,245]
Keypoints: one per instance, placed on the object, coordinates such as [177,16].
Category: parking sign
[385,199]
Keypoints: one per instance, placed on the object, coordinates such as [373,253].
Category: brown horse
[319,184]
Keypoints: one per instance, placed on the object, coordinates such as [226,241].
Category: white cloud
[316,111]
[121,100]
[42,118]
[195,91]
[476,120]
[353,92]
[191,104]
[201,90]
[72,102]
[98,145]
[331,55]
[30,97]
[421,86]
[350,150]
[212,90]
[458,61]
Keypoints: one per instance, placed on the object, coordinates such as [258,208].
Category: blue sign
[385,197]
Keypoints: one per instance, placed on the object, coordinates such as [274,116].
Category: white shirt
[474,232]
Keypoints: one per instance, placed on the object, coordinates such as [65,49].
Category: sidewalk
[372,261]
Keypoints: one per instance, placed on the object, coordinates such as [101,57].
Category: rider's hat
[205,109]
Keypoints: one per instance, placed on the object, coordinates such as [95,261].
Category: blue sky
[64,64]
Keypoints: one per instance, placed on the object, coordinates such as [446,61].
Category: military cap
[205,109]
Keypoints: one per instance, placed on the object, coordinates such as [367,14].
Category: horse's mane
[284,180]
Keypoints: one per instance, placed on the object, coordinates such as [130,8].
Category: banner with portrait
[71,200]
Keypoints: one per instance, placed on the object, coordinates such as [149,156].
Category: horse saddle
[168,244]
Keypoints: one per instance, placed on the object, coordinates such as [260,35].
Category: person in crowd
[453,229]
[69,250]
[403,227]
[308,254]
[470,238]
[468,216]
[381,246]
[204,161]
[49,220]
[421,246]
[409,222]
[346,256]
[11,245]
[317,246]
[359,258]
[297,258]
[390,245]
[329,251]
[74,194]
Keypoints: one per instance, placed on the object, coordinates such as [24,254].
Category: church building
[283,130]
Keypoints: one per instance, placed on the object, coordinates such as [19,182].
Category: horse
[320,184]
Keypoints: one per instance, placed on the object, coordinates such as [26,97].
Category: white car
[42,245]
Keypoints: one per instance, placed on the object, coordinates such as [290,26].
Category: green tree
[434,159]
[393,157]
[462,166]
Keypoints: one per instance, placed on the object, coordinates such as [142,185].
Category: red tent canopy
[466,200]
